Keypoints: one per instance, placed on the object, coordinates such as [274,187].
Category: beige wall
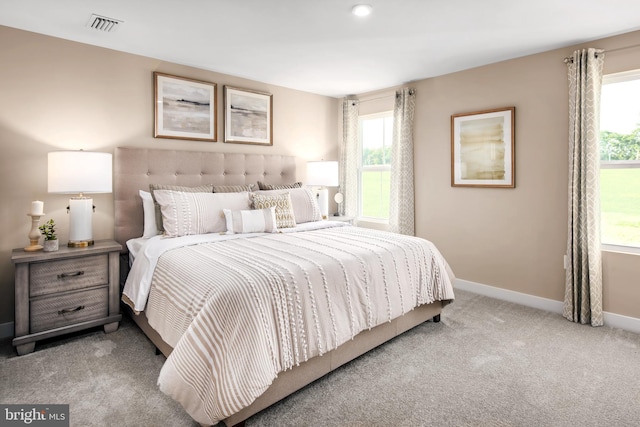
[513,238]
[57,94]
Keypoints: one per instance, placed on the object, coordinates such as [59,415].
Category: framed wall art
[185,108]
[483,148]
[248,116]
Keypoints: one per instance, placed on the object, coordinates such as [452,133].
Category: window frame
[371,168]
[620,164]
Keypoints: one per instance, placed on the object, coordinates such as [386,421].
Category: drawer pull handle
[65,275]
[71,310]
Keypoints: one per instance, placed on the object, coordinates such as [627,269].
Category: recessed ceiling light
[361,9]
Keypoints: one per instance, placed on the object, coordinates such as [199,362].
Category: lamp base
[80,212]
[323,201]
[80,244]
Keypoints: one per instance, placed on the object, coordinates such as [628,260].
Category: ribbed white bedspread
[239,311]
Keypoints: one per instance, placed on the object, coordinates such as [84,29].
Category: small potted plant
[48,230]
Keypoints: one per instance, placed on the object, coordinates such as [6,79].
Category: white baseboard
[612,320]
[6,330]
[619,321]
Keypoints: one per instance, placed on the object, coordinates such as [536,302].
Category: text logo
[34,415]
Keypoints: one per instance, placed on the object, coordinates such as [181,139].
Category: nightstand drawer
[68,274]
[57,311]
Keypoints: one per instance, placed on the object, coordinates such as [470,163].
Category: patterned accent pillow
[207,188]
[263,186]
[233,188]
[304,204]
[251,221]
[282,202]
[187,214]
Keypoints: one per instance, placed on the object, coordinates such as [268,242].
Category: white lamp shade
[322,173]
[73,172]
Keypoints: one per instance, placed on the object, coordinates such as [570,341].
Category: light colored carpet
[488,363]
[107,379]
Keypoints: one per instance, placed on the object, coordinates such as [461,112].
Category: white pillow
[148,207]
[186,214]
[205,188]
[251,221]
[303,202]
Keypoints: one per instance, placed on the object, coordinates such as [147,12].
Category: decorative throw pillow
[263,186]
[282,202]
[304,204]
[150,227]
[197,213]
[207,188]
[233,188]
[251,221]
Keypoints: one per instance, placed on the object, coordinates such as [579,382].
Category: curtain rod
[569,59]
[374,99]
[392,95]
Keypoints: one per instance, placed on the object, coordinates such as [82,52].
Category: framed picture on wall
[483,148]
[185,108]
[248,116]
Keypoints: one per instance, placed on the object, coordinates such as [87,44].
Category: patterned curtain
[348,167]
[583,293]
[401,203]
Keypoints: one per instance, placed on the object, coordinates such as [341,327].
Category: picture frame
[483,148]
[248,117]
[185,108]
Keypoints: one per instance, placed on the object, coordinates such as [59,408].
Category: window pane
[620,121]
[375,194]
[620,106]
[620,143]
[620,206]
[388,138]
[376,141]
[376,133]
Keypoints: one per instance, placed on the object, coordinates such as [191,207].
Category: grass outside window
[376,189]
[620,206]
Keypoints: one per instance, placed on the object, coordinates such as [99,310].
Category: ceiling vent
[104,24]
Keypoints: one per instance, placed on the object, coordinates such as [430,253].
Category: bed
[278,310]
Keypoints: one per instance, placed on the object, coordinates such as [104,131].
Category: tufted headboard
[135,168]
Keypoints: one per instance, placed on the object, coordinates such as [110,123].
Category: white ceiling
[318,46]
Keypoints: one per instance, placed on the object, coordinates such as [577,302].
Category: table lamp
[322,174]
[80,172]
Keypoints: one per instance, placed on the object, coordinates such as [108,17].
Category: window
[620,159]
[375,133]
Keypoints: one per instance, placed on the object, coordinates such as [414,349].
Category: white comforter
[240,310]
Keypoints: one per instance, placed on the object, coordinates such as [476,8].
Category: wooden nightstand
[65,291]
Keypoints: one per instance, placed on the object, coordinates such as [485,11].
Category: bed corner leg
[436,318]
[158,351]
